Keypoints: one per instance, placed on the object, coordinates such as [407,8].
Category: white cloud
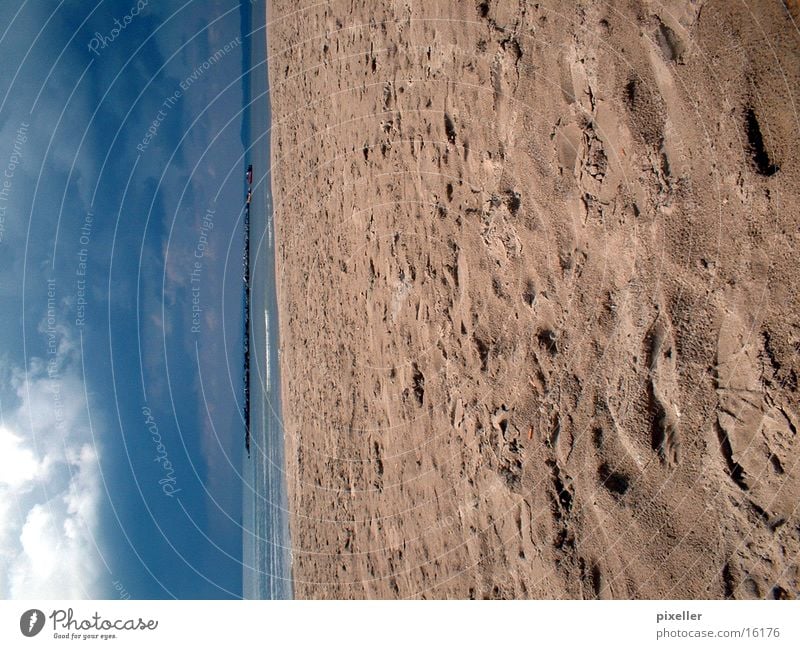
[50,487]
[18,465]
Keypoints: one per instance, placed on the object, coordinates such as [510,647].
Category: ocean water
[265,519]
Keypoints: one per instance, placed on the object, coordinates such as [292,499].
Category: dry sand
[539,296]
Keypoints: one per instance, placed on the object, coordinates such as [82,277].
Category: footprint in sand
[663,390]
[757,436]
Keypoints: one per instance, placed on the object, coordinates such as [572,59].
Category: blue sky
[121,187]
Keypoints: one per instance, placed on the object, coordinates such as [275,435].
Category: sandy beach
[538,296]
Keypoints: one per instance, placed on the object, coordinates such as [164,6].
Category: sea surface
[265,518]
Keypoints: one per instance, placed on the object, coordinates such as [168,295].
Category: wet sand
[538,297]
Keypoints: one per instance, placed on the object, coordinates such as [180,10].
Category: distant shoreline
[267,541]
